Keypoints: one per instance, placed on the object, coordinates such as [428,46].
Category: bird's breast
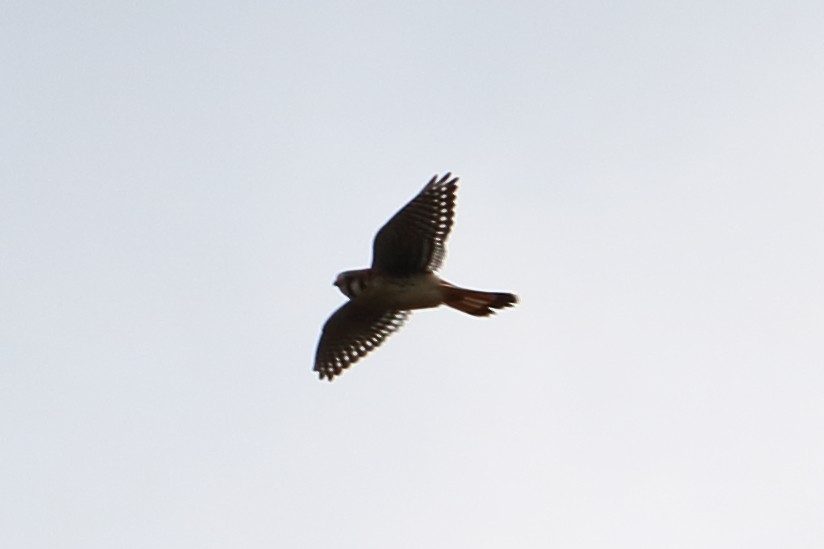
[403,293]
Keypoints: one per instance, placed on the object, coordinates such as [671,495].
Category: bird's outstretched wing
[413,241]
[350,333]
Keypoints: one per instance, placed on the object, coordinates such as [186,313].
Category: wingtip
[326,375]
[445,179]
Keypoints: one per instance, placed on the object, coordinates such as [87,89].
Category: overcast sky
[180,183]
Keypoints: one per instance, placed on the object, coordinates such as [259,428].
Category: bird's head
[352,283]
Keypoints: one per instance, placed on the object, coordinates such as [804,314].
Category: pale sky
[182,181]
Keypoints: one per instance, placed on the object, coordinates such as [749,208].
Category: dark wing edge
[414,239]
[350,334]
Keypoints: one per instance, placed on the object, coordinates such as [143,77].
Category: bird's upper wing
[413,241]
[350,333]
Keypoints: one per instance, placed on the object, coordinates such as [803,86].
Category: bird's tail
[476,302]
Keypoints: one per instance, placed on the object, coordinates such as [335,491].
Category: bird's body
[417,291]
[406,253]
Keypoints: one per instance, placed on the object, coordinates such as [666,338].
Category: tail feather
[476,302]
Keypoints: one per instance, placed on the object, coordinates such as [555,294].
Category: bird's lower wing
[350,333]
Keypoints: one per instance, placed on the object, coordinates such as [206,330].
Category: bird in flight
[406,252]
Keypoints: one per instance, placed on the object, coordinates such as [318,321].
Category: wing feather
[414,240]
[350,333]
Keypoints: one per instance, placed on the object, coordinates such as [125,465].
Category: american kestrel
[405,254]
